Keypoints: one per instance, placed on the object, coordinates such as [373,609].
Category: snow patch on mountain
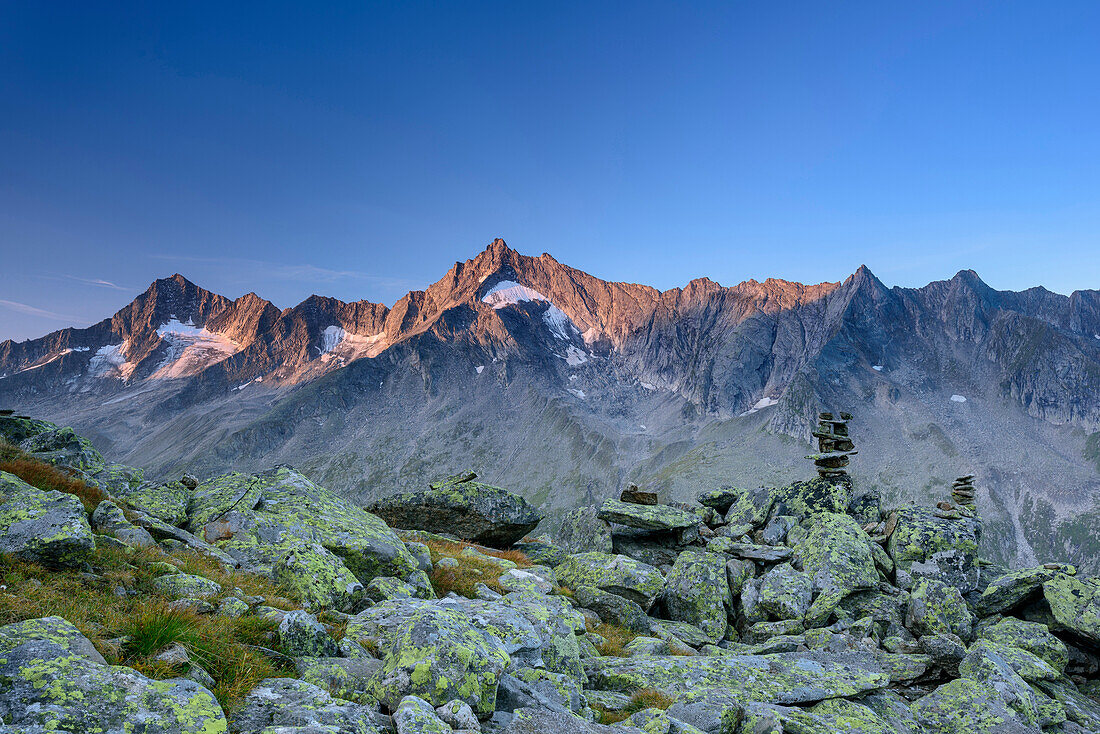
[760,405]
[52,358]
[574,357]
[337,343]
[576,393]
[110,361]
[510,293]
[958,399]
[191,349]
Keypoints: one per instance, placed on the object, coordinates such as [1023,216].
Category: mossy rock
[63,447]
[924,545]
[647,517]
[1075,606]
[697,592]
[965,706]
[317,576]
[291,703]
[1033,637]
[581,531]
[186,586]
[16,429]
[630,579]
[935,607]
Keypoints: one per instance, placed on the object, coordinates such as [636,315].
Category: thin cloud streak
[279,271]
[29,310]
[97,282]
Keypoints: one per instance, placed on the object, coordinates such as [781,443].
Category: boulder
[1075,606]
[539,721]
[45,527]
[52,629]
[52,685]
[581,531]
[301,635]
[697,592]
[752,507]
[1028,666]
[719,499]
[842,715]
[15,429]
[439,655]
[186,586]
[836,554]
[416,716]
[108,519]
[647,517]
[341,677]
[461,507]
[630,579]
[784,678]
[63,447]
[965,706]
[613,608]
[317,576]
[985,665]
[291,510]
[808,498]
[786,593]
[1010,590]
[749,551]
[166,502]
[924,545]
[459,716]
[217,497]
[1033,637]
[290,703]
[935,607]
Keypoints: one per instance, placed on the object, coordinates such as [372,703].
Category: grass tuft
[615,638]
[646,698]
[48,477]
[463,578]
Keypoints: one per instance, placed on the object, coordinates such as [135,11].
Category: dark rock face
[464,508]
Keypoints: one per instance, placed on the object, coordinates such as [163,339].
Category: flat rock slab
[463,508]
[751,551]
[647,517]
[783,678]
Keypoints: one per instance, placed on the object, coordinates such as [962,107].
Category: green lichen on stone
[63,447]
[1075,605]
[185,585]
[697,592]
[617,574]
[42,526]
[1032,637]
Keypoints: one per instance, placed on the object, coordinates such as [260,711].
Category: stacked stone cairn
[777,610]
[962,491]
[834,445]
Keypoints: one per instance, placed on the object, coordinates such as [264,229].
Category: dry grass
[641,700]
[615,638]
[46,476]
[470,571]
[144,621]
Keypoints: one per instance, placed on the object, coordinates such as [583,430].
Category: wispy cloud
[97,282]
[282,271]
[29,310]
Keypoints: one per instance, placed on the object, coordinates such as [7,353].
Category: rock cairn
[962,491]
[834,446]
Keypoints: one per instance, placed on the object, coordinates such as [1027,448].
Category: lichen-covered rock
[936,607]
[233,607]
[1028,666]
[301,635]
[1010,590]
[1075,605]
[45,527]
[647,517]
[752,507]
[382,588]
[558,688]
[924,545]
[117,480]
[317,576]
[63,447]
[697,592]
[291,510]
[458,716]
[719,499]
[286,702]
[613,608]
[986,664]
[416,716]
[836,555]
[463,508]
[518,579]
[785,678]
[539,721]
[16,429]
[843,715]
[1033,637]
[342,677]
[186,586]
[219,496]
[51,629]
[965,706]
[617,574]
[786,593]
[439,655]
[750,551]
[813,496]
[582,531]
[894,711]
[108,519]
[45,684]
[1079,708]
[166,502]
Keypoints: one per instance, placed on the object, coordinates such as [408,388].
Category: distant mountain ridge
[564,387]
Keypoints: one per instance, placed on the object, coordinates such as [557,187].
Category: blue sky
[358,150]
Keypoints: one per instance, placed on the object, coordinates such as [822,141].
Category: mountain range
[566,388]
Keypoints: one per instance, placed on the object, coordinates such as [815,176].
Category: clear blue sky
[359,150]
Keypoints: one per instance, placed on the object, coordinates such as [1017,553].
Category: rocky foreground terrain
[265,604]
[567,388]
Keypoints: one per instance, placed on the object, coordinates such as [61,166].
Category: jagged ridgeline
[263,603]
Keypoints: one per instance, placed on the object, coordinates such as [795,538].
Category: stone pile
[834,446]
[962,491]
